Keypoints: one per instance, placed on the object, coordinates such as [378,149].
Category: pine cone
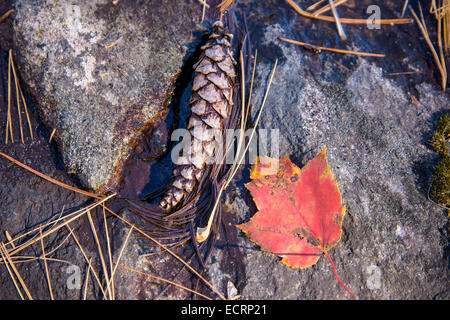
[211,104]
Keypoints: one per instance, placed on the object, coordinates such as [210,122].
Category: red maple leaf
[300,212]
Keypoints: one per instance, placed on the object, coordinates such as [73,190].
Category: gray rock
[394,238]
[101,73]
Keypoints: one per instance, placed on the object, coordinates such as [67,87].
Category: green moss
[441,137]
[440,189]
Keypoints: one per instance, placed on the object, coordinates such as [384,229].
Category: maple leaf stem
[337,276]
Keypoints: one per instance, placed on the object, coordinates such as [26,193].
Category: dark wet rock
[28,201]
[5,29]
[101,73]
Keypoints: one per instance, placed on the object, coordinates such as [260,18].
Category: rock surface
[394,239]
[101,73]
[29,201]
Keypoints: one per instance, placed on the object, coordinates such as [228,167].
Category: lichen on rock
[101,73]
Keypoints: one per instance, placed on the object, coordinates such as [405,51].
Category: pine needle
[86,259]
[26,112]
[109,46]
[109,250]
[405,5]
[10,239]
[26,259]
[315,5]
[327,7]
[10,272]
[251,86]
[167,281]
[19,97]
[224,5]
[86,281]
[48,225]
[442,15]
[338,22]
[403,73]
[446,29]
[29,259]
[17,94]
[66,221]
[6,15]
[203,12]
[113,271]
[49,282]
[169,251]
[203,2]
[306,14]
[100,253]
[340,65]
[8,117]
[54,181]
[422,27]
[14,269]
[51,135]
[377,55]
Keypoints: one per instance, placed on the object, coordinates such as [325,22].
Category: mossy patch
[441,137]
[440,188]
